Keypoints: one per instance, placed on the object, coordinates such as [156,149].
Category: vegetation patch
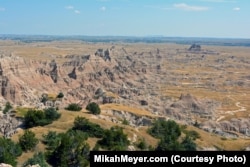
[169,133]
[28,140]
[73,107]
[40,118]
[114,139]
[84,125]
[73,150]
[93,108]
[9,151]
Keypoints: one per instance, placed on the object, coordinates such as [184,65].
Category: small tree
[51,114]
[73,150]
[34,118]
[189,144]
[7,107]
[114,139]
[37,159]
[28,140]
[74,107]
[51,140]
[9,151]
[60,95]
[93,108]
[165,129]
[142,144]
[84,125]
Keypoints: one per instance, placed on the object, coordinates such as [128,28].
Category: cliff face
[20,79]
[23,81]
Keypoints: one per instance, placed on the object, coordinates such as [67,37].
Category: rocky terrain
[190,84]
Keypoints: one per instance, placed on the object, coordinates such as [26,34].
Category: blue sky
[174,18]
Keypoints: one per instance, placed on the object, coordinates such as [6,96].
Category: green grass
[21,111]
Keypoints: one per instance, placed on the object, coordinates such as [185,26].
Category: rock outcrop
[133,119]
[53,72]
[227,128]
[105,54]
[8,125]
[188,105]
[195,48]
[5,165]
[73,74]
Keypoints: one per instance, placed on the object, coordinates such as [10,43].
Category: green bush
[40,118]
[92,129]
[51,114]
[28,140]
[168,144]
[74,107]
[37,159]
[51,140]
[125,122]
[34,118]
[142,144]
[73,150]
[188,144]
[93,108]
[60,95]
[7,107]
[161,129]
[114,139]
[193,134]
[9,151]
[169,133]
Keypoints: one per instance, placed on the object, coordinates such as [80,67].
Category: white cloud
[103,8]
[236,9]
[69,7]
[72,8]
[2,9]
[77,11]
[186,7]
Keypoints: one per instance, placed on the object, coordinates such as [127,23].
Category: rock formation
[195,47]
[8,125]
[128,75]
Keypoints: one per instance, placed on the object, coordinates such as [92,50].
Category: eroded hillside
[206,86]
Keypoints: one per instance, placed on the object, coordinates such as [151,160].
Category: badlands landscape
[203,85]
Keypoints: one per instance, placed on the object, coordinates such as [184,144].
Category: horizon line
[133,36]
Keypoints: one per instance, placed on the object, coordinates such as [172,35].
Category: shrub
[93,108]
[28,140]
[169,132]
[161,129]
[51,140]
[9,151]
[34,118]
[40,118]
[92,129]
[7,107]
[193,134]
[73,150]
[51,114]
[114,139]
[74,107]
[60,95]
[37,159]
[142,144]
[188,144]
[168,144]
[125,122]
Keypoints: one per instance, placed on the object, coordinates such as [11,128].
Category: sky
[171,18]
